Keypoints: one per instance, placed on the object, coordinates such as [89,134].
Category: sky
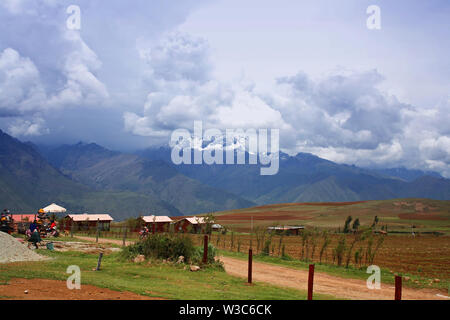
[137,70]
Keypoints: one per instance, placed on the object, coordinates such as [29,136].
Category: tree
[347,224]
[209,221]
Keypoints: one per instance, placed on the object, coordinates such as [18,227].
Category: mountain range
[308,178]
[90,178]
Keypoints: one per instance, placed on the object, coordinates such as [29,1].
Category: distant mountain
[105,170]
[406,174]
[308,178]
[28,182]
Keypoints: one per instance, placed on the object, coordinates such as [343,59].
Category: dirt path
[323,283]
[44,289]
[103,240]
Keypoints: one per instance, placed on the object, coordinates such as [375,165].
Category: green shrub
[160,246]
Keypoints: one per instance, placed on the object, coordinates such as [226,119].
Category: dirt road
[323,283]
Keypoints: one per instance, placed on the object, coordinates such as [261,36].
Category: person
[34,239]
[41,214]
[144,232]
[33,226]
[52,229]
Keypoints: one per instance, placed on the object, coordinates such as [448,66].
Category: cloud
[343,116]
[21,90]
[153,79]
[24,128]
[341,110]
[185,91]
[178,57]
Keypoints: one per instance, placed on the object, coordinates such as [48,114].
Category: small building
[216,227]
[160,223]
[288,230]
[22,222]
[23,217]
[87,221]
[191,224]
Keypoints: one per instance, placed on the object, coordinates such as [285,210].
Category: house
[87,221]
[156,223]
[22,222]
[23,217]
[288,230]
[191,224]
[216,227]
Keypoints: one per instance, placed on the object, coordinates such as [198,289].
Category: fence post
[71,229]
[124,236]
[205,249]
[310,281]
[99,261]
[98,230]
[250,267]
[398,288]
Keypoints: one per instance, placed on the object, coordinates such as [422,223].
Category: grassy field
[399,215]
[156,280]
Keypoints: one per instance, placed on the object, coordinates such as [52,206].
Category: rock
[180,259]
[436,280]
[164,261]
[406,278]
[194,268]
[140,258]
[26,292]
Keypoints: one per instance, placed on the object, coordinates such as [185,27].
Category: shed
[160,223]
[193,224]
[85,221]
[216,227]
[289,230]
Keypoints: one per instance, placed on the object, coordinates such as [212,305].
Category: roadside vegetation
[155,279]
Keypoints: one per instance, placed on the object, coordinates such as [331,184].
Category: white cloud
[177,57]
[21,90]
[23,127]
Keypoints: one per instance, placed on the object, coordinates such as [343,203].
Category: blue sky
[137,70]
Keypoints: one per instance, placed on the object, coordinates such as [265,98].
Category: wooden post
[250,267]
[99,261]
[71,229]
[205,249]
[124,236]
[398,288]
[310,281]
[98,230]
[154,227]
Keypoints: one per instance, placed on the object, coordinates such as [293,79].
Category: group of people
[6,221]
[43,224]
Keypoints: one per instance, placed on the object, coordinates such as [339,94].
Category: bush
[160,246]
